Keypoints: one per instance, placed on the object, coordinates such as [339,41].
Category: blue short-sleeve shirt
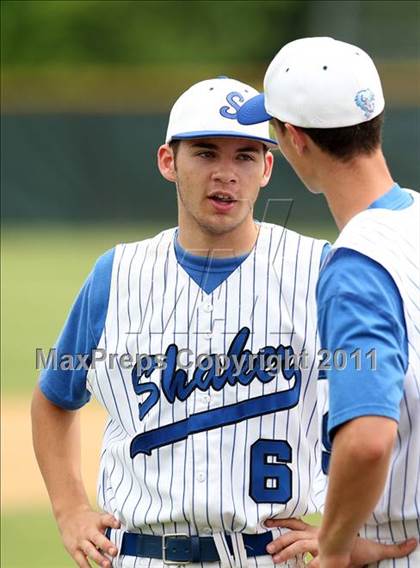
[65,384]
[361,318]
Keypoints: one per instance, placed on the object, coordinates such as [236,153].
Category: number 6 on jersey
[270,477]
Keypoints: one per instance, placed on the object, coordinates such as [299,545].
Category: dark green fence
[103,168]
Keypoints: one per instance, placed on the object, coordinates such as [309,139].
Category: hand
[333,561]
[83,536]
[303,538]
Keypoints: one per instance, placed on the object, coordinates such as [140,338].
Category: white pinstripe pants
[254,562]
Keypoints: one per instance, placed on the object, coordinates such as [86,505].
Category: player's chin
[220,224]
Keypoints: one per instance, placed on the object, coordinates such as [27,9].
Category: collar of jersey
[394,199]
[206,263]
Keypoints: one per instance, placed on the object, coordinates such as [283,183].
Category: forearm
[358,471]
[56,439]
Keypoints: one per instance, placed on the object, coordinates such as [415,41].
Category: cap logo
[231,98]
[365,100]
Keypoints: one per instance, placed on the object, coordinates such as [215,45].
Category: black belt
[183,549]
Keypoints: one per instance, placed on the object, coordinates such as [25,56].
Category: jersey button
[207,307]
[201,476]
[208,335]
[207,531]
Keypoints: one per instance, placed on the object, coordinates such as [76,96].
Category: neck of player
[351,187]
[203,242]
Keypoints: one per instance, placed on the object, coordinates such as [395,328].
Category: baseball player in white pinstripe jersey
[327,99]
[194,339]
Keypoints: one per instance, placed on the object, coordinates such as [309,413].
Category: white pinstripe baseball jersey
[392,238]
[201,449]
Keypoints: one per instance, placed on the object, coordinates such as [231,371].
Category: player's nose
[225,173]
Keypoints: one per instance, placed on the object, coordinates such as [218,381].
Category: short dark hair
[174,146]
[348,142]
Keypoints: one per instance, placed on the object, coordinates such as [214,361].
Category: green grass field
[42,271]
[30,539]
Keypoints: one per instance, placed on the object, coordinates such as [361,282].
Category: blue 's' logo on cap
[232,98]
[365,100]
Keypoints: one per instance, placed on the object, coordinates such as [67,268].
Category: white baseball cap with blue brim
[318,82]
[209,109]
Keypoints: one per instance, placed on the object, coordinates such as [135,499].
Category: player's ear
[166,162]
[297,137]
[268,168]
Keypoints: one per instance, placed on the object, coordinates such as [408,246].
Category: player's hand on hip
[369,551]
[83,536]
[365,552]
[335,561]
[303,538]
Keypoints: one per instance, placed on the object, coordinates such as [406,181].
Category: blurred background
[86,89]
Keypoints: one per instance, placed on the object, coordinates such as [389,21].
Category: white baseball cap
[318,82]
[209,109]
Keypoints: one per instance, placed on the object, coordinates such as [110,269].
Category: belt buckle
[164,547]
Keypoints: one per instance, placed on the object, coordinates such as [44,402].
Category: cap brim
[222,134]
[253,111]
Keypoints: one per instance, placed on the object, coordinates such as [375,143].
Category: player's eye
[205,154]
[246,158]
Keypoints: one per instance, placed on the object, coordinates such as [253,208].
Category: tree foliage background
[135,32]
[63,32]
[87,86]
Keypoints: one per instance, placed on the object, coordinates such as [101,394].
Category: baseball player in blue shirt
[326,99]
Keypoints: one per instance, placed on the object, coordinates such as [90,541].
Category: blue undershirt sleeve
[326,249]
[360,312]
[63,381]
